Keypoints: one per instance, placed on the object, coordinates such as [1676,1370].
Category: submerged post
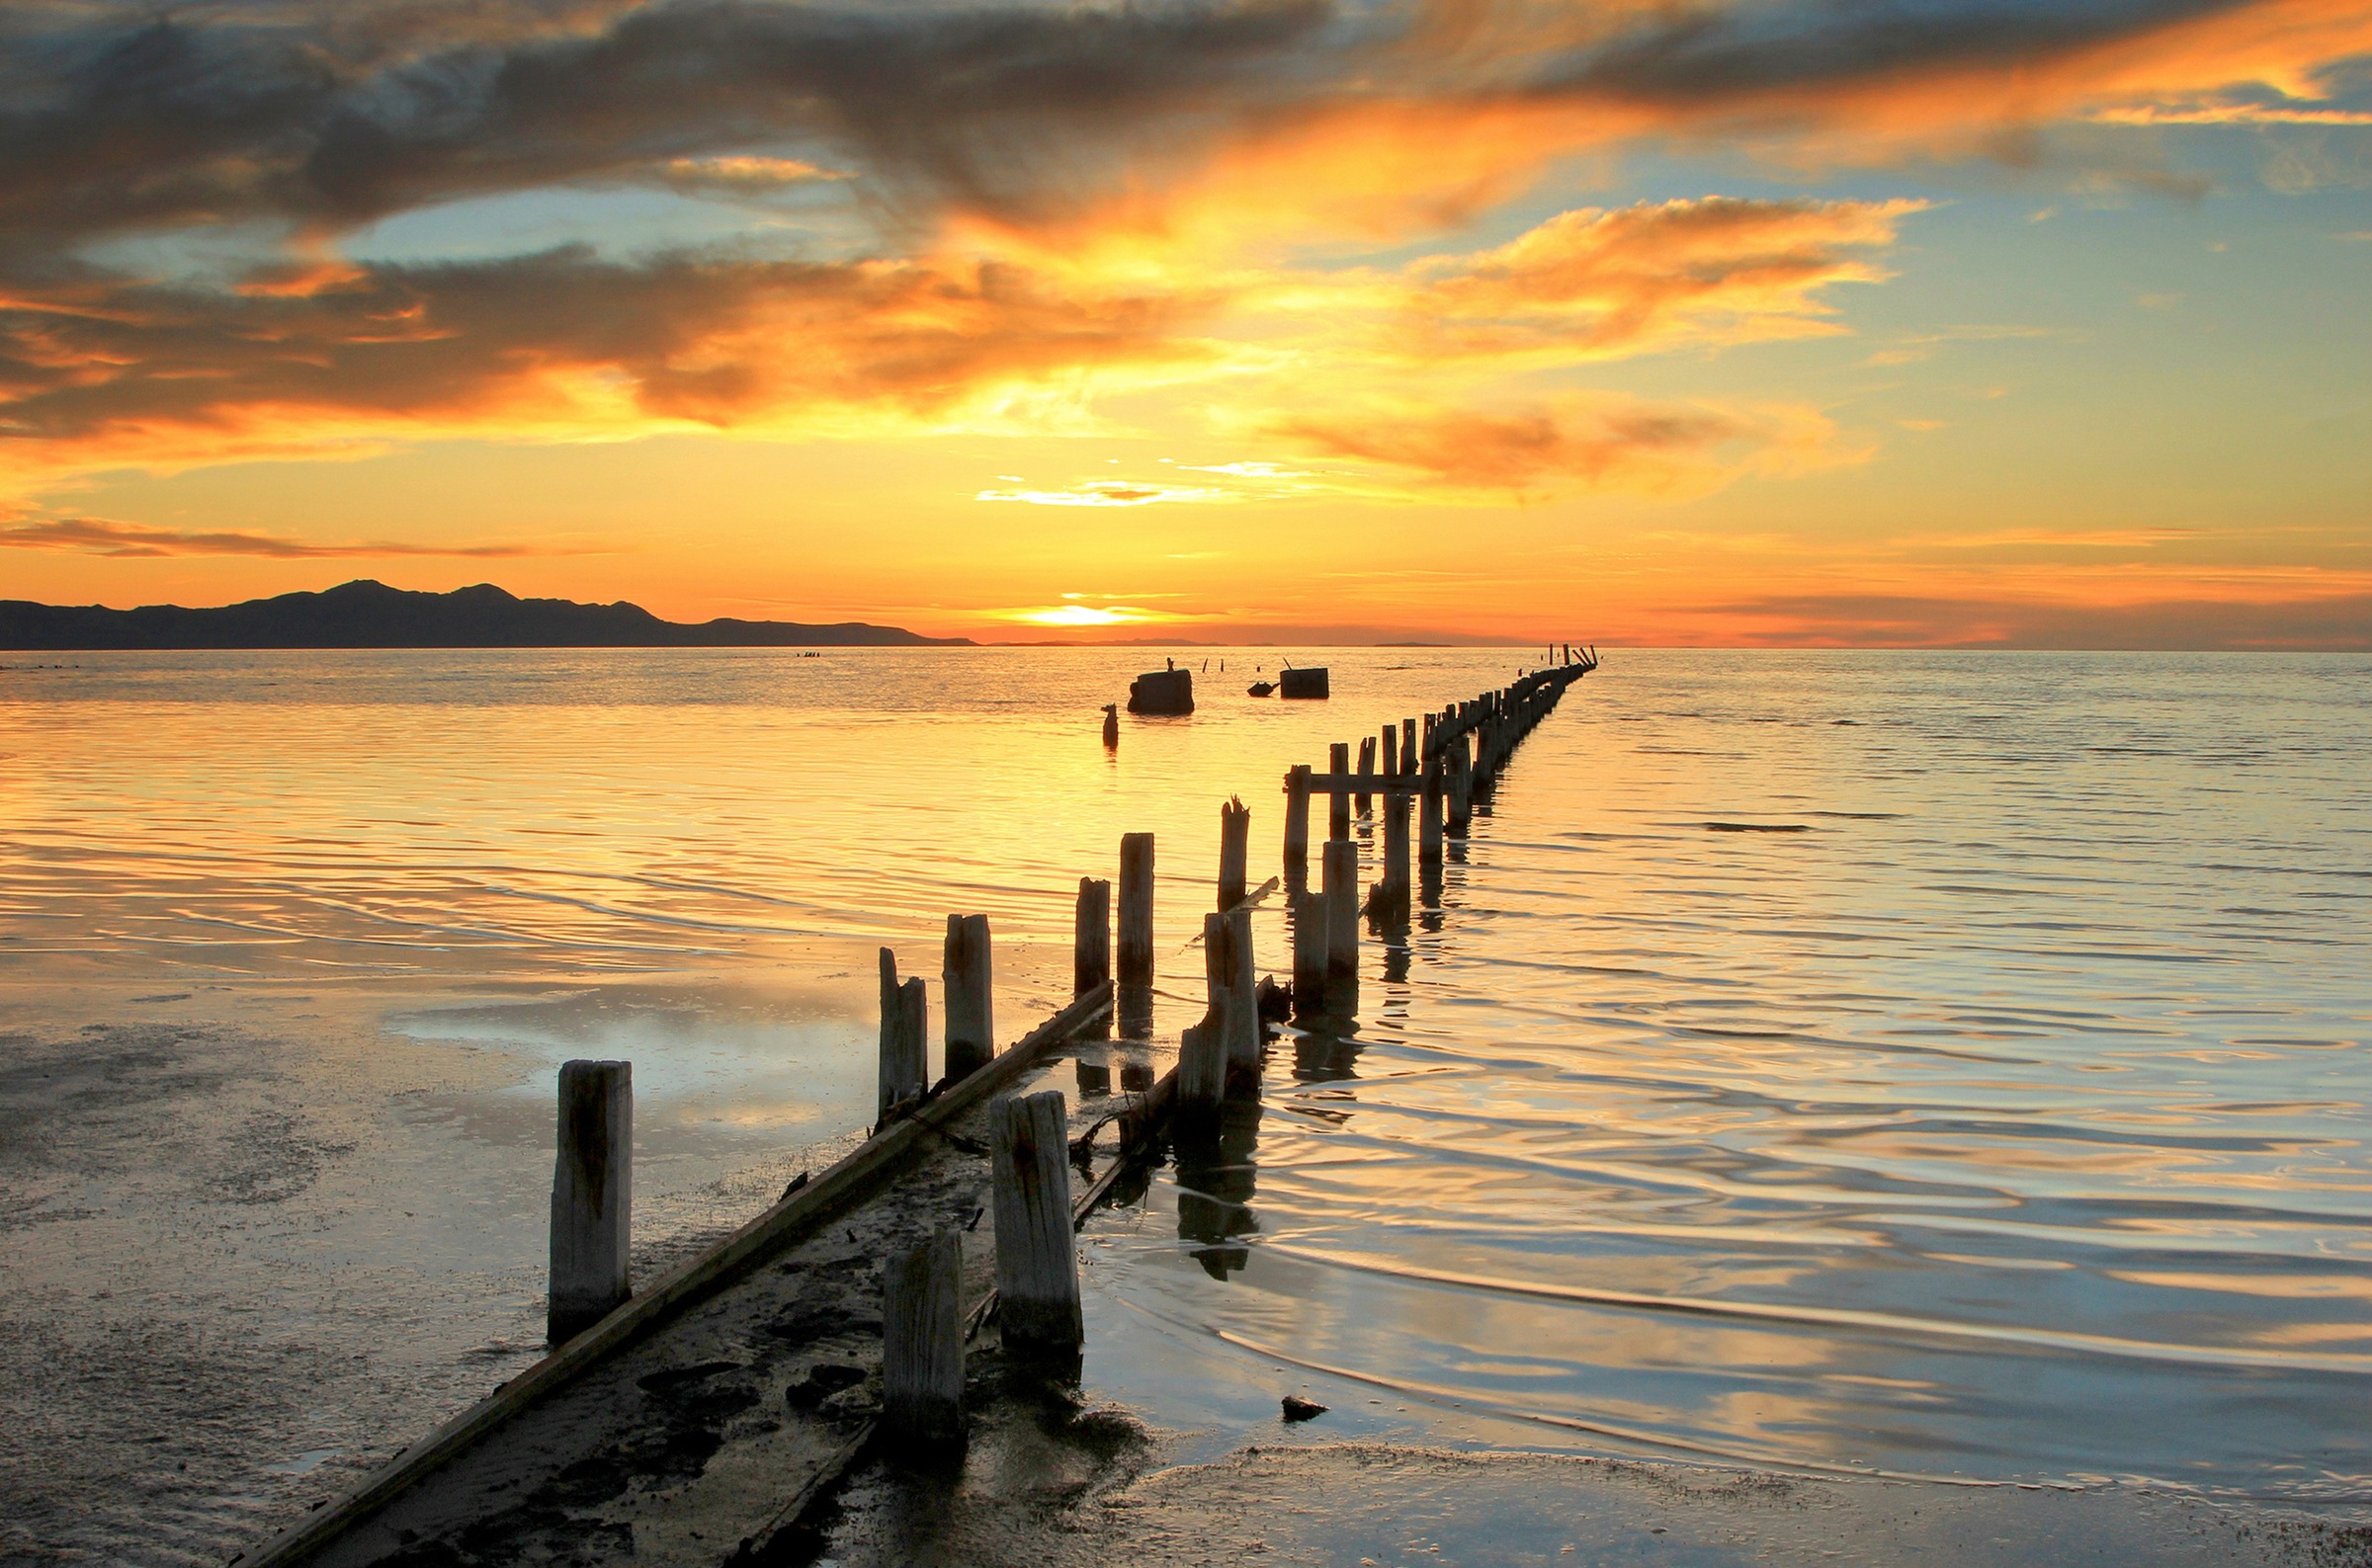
[1338,802]
[922,1341]
[906,1072]
[1091,945]
[1342,909]
[1296,821]
[592,1197]
[964,992]
[1037,1261]
[1234,852]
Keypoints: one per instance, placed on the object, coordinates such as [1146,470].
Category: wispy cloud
[1112,492]
[102,537]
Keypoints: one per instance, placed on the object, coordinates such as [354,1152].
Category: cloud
[101,536]
[1110,492]
[1573,442]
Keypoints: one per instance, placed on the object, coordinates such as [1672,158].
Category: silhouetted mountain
[369,614]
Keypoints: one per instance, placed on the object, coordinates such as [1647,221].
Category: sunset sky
[1941,321]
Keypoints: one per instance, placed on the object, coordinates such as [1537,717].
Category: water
[1938,1064]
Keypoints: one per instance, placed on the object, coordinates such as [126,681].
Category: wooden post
[1218,962]
[1308,952]
[1296,821]
[592,1197]
[1243,996]
[1091,935]
[1342,909]
[1459,782]
[1037,1259]
[1338,802]
[1389,757]
[964,994]
[922,1341]
[1136,910]
[1428,840]
[1408,753]
[1234,852]
[1394,888]
[1203,1060]
[1367,764]
[906,1052]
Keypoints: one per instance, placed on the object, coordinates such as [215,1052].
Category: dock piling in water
[1203,1050]
[1296,822]
[1091,942]
[592,1197]
[1234,852]
[1367,764]
[964,993]
[922,1341]
[1342,909]
[1308,952]
[1428,836]
[905,1066]
[1135,933]
[1338,801]
[1037,1259]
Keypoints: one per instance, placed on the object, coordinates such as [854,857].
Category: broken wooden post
[963,995]
[905,1069]
[1308,952]
[1243,996]
[1296,822]
[1367,764]
[592,1197]
[1091,946]
[1037,1259]
[1409,745]
[1234,852]
[1339,803]
[922,1341]
[1342,909]
[1203,1060]
[1428,840]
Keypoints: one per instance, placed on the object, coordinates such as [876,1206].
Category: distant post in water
[906,1072]
[1091,946]
[1296,821]
[964,992]
[1342,909]
[1234,852]
[592,1197]
[1037,1258]
[1338,802]
[922,1341]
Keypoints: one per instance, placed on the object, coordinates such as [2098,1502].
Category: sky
[2025,323]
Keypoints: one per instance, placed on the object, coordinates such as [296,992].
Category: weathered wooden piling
[1409,752]
[1037,1259]
[1338,802]
[1428,840]
[1234,852]
[592,1197]
[1091,945]
[1388,757]
[1367,764]
[1458,781]
[922,1341]
[1342,909]
[1296,821]
[965,992]
[1244,995]
[1111,726]
[1136,910]
[1308,950]
[905,1066]
[1203,1058]
[1392,891]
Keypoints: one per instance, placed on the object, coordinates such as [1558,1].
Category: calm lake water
[1945,1064]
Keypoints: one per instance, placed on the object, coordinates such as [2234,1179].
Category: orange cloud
[102,537]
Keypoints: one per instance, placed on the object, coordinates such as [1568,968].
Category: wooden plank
[687,1284]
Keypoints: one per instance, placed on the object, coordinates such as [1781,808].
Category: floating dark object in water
[1260,688]
[1111,726]
[1169,691]
[1299,1409]
[1302,683]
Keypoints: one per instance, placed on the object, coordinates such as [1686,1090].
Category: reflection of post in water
[1216,1171]
[1095,1070]
[1328,1047]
